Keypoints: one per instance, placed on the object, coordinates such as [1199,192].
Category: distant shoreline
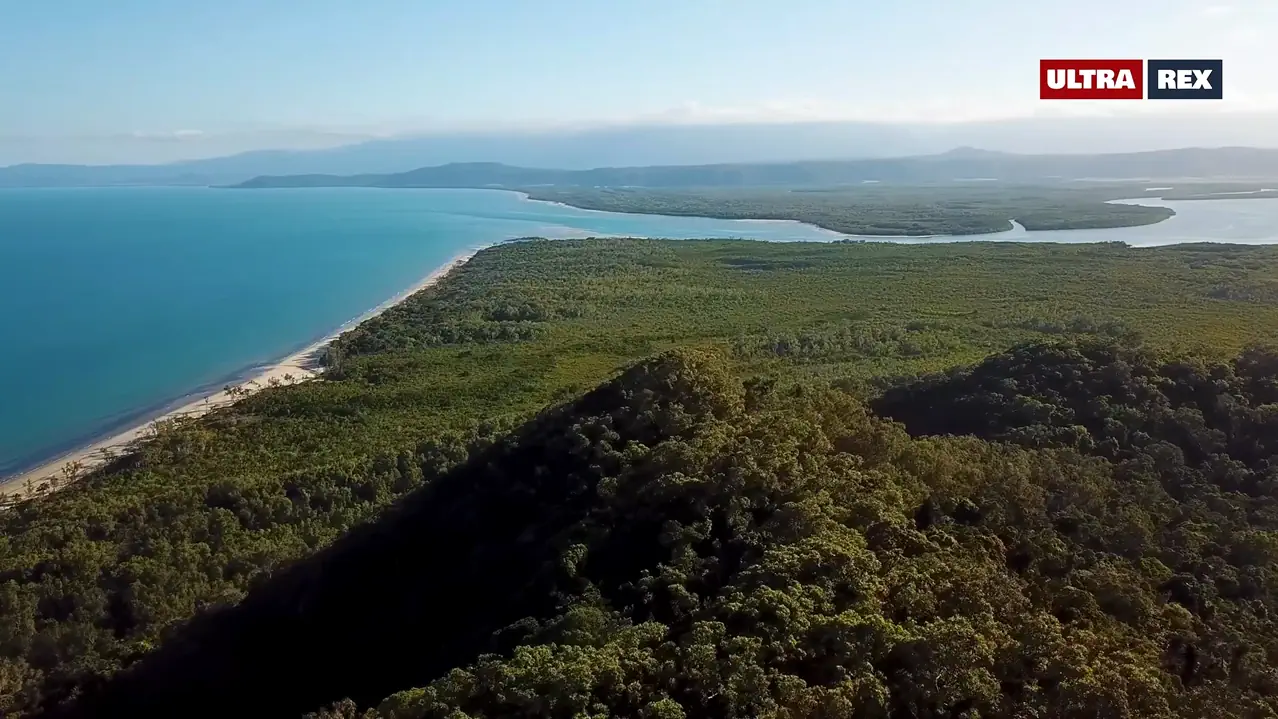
[298,366]
[1012,222]
[528,197]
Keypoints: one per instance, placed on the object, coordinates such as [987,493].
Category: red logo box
[1091,79]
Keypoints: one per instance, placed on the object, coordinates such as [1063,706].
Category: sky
[197,77]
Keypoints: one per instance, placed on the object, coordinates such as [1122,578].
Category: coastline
[297,367]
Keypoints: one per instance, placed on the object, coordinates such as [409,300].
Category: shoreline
[299,366]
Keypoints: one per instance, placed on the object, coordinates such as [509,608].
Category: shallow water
[116,302]
[1234,221]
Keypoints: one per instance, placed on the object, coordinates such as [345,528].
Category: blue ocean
[117,302]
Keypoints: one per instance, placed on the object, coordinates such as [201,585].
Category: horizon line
[863,158]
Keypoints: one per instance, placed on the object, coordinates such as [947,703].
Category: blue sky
[299,72]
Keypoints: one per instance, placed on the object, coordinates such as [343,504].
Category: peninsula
[966,191]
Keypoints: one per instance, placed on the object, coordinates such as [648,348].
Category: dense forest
[703,478]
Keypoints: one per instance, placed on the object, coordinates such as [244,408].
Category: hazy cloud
[167,135]
[817,110]
[155,147]
[1244,119]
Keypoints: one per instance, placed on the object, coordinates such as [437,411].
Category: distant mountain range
[963,164]
[578,150]
[660,145]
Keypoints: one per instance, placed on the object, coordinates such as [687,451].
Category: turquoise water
[116,303]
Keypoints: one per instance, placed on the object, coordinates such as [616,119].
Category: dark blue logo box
[1184,79]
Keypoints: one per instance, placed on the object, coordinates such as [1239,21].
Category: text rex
[1186,79]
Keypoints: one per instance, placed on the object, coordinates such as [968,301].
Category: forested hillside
[649,478]
[677,543]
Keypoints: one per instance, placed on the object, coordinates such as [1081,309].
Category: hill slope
[677,543]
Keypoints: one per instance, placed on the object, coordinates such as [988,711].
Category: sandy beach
[297,367]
